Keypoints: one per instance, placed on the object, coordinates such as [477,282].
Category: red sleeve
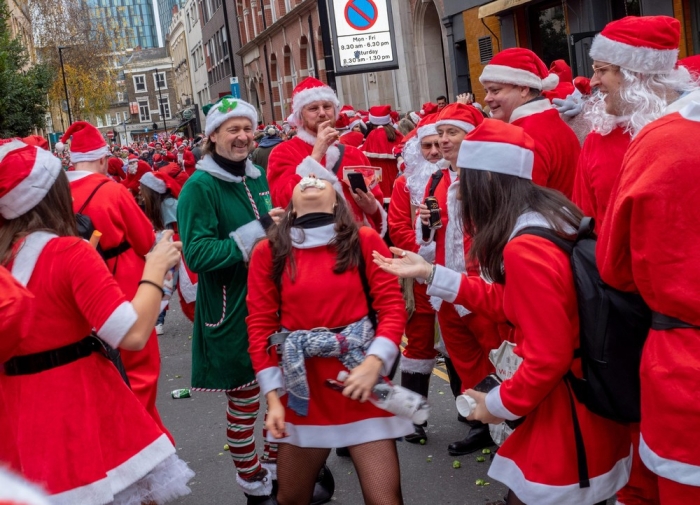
[97,294]
[263,307]
[401,220]
[170,156]
[190,161]
[584,195]
[137,228]
[16,313]
[541,296]
[282,173]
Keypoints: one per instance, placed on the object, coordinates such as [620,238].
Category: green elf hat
[226,108]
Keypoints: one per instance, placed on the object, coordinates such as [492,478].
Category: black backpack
[86,229]
[613,328]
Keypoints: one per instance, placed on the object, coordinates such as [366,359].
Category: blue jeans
[161,317]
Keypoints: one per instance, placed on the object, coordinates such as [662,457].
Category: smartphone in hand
[357,181]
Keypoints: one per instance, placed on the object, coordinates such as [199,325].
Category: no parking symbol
[361,14]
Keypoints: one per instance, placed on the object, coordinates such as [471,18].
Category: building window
[120,97]
[140,83]
[125,115]
[100,124]
[164,107]
[108,120]
[159,79]
[144,111]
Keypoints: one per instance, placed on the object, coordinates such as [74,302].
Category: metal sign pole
[326,40]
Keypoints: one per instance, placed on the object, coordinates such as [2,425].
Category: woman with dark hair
[308,277]
[533,289]
[58,386]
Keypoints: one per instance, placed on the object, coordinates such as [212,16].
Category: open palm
[406,265]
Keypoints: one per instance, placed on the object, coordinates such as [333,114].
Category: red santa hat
[160,183]
[26,174]
[465,117]
[36,140]
[347,110]
[380,115]
[308,91]
[342,123]
[427,127]
[692,63]
[497,146]
[583,84]
[428,108]
[520,67]
[646,44]
[87,142]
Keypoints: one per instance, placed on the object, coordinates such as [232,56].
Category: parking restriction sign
[363,32]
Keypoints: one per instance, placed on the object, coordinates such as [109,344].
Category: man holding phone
[315,150]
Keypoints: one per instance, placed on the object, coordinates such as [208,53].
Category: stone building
[21,26]
[177,42]
[197,64]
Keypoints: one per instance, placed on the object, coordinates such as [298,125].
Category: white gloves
[571,106]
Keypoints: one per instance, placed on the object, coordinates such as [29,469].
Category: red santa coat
[468,337]
[538,461]
[650,243]
[84,410]
[556,146]
[175,171]
[291,160]
[116,215]
[419,353]
[312,301]
[354,139]
[598,168]
[380,153]
[189,161]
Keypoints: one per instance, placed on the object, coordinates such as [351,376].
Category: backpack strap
[434,181]
[341,149]
[91,195]
[582,460]
[547,233]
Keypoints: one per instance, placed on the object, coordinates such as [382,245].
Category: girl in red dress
[80,432]
[533,289]
[306,277]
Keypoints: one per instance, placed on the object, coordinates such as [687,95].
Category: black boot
[455,382]
[477,438]
[324,487]
[419,383]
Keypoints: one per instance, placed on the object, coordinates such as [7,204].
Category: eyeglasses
[430,145]
[598,70]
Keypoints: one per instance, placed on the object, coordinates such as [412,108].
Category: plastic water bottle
[398,400]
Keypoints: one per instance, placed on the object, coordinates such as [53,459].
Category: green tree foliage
[23,87]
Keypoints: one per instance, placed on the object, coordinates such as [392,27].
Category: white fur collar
[683,101]
[529,218]
[76,175]
[308,238]
[332,154]
[28,255]
[207,164]
[530,108]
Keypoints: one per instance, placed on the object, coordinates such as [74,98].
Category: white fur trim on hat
[462,125]
[380,120]
[32,189]
[152,182]
[644,60]
[498,157]
[303,98]
[517,77]
[97,154]
[426,131]
[216,117]
[414,117]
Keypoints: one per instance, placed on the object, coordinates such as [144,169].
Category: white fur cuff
[270,379]
[258,488]
[419,366]
[247,236]
[494,404]
[445,284]
[386,350]
[427,252]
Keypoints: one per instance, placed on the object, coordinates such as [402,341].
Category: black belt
[277,339]
[662,322]
[46,360]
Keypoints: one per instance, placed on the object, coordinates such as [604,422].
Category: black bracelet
[146,281]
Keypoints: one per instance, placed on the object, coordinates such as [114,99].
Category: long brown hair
[491,205]
[53,214]
[152,201]
[346,243]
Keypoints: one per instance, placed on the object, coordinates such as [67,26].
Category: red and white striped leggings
[241,413]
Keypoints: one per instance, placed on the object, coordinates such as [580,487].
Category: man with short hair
[314,150]
[441,102]
[514,80]
[127,236]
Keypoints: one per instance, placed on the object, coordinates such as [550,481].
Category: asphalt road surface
[199,427]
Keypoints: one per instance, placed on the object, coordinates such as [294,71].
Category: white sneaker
[159,329]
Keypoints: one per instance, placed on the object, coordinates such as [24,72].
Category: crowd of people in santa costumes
[379,145]
[78,301]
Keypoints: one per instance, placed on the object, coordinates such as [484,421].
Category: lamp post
[162,107]
[65,86]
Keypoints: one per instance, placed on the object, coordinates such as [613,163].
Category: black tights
[511,499]
[376,463]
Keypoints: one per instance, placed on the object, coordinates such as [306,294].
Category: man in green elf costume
[224,209]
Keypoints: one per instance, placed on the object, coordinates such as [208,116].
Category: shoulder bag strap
[336,167]
[434,181]
[91,195]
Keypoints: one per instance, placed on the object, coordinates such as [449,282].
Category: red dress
[291,160]
[81,433]
[556,145]
[538,461]
[114,212]
[650,244]
[312,301]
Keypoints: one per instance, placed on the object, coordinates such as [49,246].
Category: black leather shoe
[478,438]
[342,452]
[260,500]
[324,487]
[418,434]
